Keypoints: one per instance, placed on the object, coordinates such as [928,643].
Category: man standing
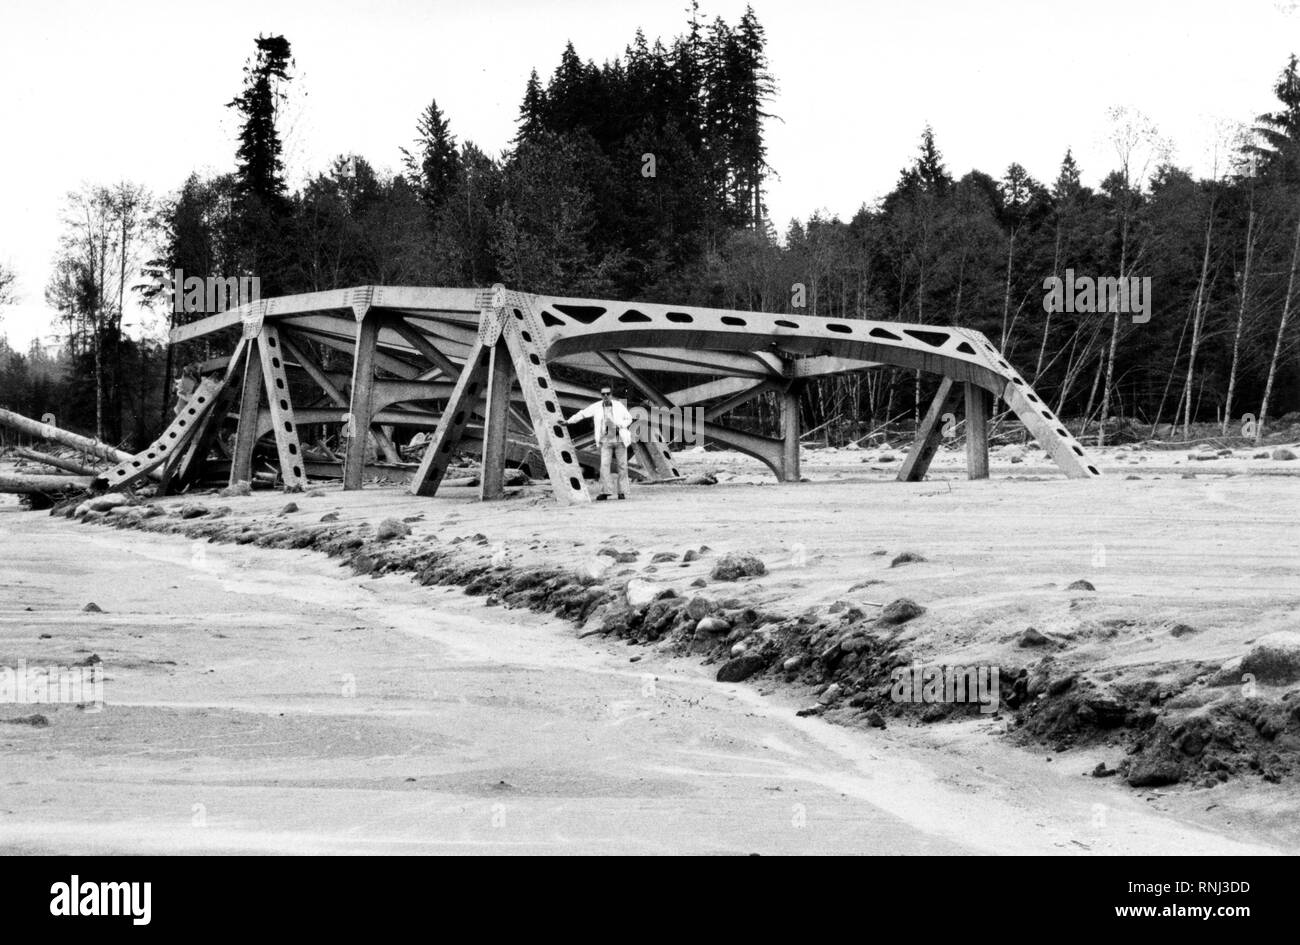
[614,434]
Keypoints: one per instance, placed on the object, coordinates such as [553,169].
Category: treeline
[644,177]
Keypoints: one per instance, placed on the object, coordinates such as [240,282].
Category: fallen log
[46,431]
[57,462]
[43,484]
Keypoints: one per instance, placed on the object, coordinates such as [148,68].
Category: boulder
[735,565]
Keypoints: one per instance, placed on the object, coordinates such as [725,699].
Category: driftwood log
[58,462]
[46,431]
[11,482]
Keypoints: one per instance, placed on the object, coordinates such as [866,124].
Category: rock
[836,607]
[1264,454]
[639,593]
[1181,630]
[699,582]
[703,479]
[391,528]
[1154,771]
[1080,585]
[1101,771]
[1275,660]
[289,509]
[35,721]
[900,611]
[875,719]
[1202,457]
[1031,637]
[740,668]
[666,594]
[699,607]
[831,694]
[713,625]
[330,517]
[864,584]
[1283,453]
[735,565]
[907,557]
[193,510]
[238,489]
[885,458]
[92,608]
[792,664]
[109,500]
[691,555]
[663,556]
[620,557]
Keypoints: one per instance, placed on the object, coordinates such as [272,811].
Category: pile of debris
[66,469]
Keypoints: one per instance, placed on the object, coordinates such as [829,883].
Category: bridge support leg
[363,385]
[496,422]
[250,405]
[977,432]
[790,433]
[928,435]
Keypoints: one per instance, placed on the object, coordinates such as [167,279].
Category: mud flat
[261,697]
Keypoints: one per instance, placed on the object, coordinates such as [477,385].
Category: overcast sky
[99,92]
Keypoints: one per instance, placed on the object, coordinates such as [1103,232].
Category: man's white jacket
[622,419]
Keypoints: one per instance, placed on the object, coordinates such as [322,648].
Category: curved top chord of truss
[427,335]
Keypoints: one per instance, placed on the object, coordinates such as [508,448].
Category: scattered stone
[193,510]
[735,565]
[907,557]
[1275,660]
[110,500]
[713,625]
[864,584]
[792,664]
[875,719]
[885,458]
[289,509]
[620,557]
[391,528]
[1181,630]
[1283,453]
[1261,455]
[35,721]
[900,611]
[663,556]
[699,582]
[811,710]
[1202,457]
[699,607]
[1031,637]
[666,594]
[1080,585]
[238,489]
[740,668]
[1101,771]
[92,608]
[330,517]
[831,694]
[639,593]
[703,479]
[691,555]
[836,607]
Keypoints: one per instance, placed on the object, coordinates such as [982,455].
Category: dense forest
[643,177]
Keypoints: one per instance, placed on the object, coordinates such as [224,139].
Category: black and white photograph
[684,428]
